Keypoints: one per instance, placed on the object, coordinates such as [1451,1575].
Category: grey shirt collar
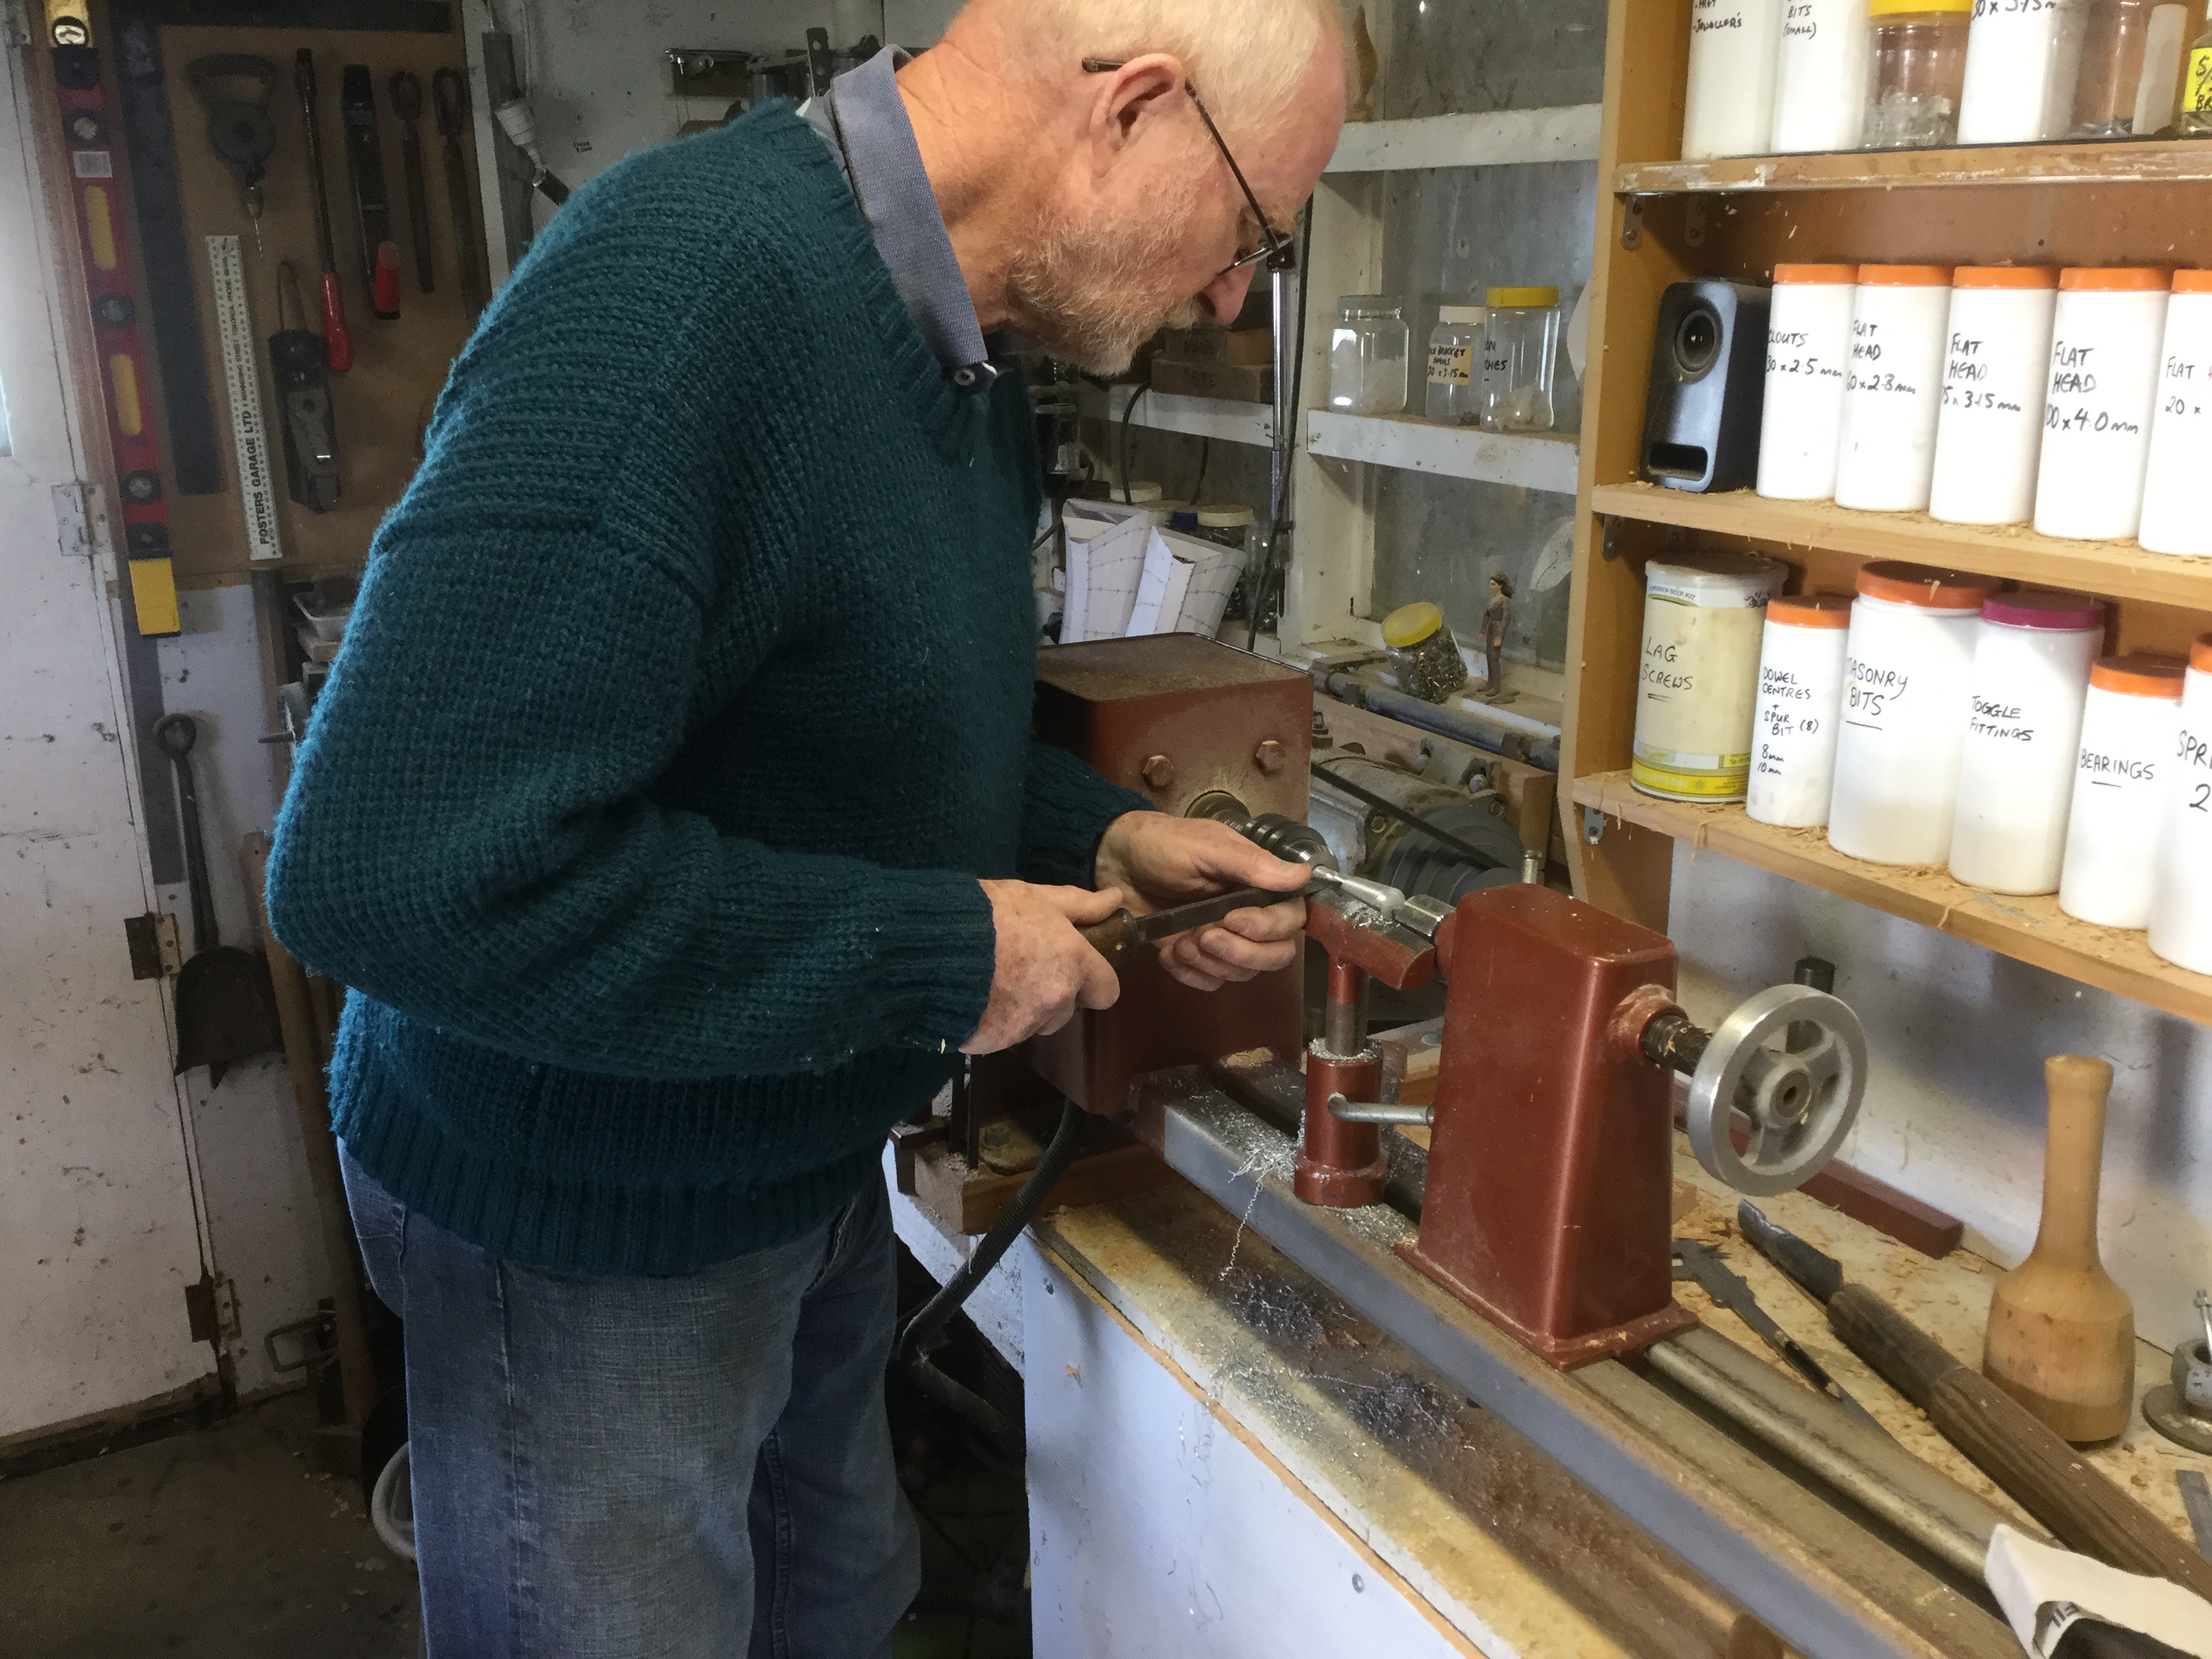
[864,121]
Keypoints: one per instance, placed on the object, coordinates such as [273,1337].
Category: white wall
[1959,1035]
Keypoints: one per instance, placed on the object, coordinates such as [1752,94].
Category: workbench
[1226,1459]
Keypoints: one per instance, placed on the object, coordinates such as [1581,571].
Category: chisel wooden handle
[2050,1481]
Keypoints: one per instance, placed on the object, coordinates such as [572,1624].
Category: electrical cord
[1276,578]
[1128,410]
[914,1343]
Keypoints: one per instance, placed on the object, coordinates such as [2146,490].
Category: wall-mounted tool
[2049,1480]
[449,93]
[226,1010]
[407,105]
[521,127]
[1698,1262]
[337,340]
[372,200]
[235,88]
[303,388]
[2062,1334]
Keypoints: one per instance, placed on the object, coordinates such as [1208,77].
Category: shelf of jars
[2030,930]
[1506,137]
[2150,162]
[1533,460]
[1225,420]
[2120,570]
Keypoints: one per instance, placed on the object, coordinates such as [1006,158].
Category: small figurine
[1496,618]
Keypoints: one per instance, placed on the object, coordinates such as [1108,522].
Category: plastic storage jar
[1990,433]
[1919,70]
[1808,356]
[2131,58]
[2031,662]
[1728,106]
[2104,387]
[2021,65]
[1906,675]
[1895,392]
[1455,360]
[1520,344]
[1423,652]
[2174,516]
[1367,355]
[1801,702]
[1820,76]
[2127,729]
[2181,893]
[1697,685]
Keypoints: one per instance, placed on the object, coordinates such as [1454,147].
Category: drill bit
[2204,1313]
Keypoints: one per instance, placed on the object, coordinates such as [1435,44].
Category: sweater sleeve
[1066,809]
[473,833]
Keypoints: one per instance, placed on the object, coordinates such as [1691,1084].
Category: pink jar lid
[2033,608]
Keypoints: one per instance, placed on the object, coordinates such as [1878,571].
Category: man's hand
[1046,970]
[1159,861]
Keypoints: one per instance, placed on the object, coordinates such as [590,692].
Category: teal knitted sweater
[687,698]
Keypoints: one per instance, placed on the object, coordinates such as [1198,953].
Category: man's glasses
[1276,251]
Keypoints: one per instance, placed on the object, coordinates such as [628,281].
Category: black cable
[1205,460]
[1275,578]
[1127,410]
[971,1407]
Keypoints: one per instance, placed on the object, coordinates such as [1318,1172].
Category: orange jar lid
[2116,279]
[1905,275]
[2004,276]
[2143,674]
[1810,611]
[2200,654]
[1899,583]
[2192,281]
[1815,274]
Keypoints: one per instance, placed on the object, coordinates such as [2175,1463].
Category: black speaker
[1708,387]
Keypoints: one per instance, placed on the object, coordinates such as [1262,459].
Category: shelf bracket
[1693,222]
[1593,826]
[1632,222]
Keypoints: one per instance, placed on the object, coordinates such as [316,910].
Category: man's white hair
[1247,57]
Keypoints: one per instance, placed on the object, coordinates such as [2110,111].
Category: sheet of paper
[1075,603]
[1153,607]
[1213,578]
[1116,564]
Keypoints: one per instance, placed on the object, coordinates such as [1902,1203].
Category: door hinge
[15,23]
[80,521]
[211,1308]
[155,951]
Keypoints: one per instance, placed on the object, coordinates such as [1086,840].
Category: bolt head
[1270,757]
[1159,772]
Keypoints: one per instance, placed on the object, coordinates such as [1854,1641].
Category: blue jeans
[694,1467]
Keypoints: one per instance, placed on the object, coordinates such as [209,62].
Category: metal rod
[1498,733]
[1344,1018]
[1923,1503]
[1674,1041]
[1379,1111]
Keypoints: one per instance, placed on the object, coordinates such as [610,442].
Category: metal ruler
[241,374]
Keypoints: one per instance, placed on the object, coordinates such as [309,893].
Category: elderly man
[673,814]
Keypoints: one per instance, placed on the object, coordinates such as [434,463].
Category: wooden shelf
[2112,570]
[1534,461]
[1504,138]
[2030,930]
[2153,162]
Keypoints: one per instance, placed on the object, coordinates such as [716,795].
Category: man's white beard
[1090,295]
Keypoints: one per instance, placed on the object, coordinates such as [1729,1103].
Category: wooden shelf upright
[1667,220]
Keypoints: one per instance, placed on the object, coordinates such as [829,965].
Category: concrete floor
[216,1545]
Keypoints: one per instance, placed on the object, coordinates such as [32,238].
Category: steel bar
[1951,1523]
[1826,1586]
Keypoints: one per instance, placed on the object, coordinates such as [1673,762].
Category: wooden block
[1245,347]
[969,1199]
[1239,383]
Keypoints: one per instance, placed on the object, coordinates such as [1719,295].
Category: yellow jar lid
[1905,8]
[1522,299]
[1409,624]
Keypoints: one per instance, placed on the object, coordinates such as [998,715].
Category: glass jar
[1367,355]
[2131,61]
[1423,654]
[1920,73]
[1227,526]
[1520,344]
[1455,349]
